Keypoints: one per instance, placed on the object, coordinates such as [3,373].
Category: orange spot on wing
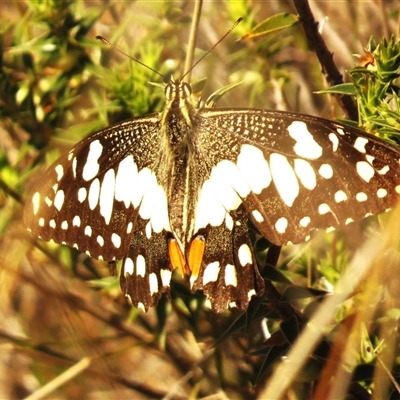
[195,255]
[176,256]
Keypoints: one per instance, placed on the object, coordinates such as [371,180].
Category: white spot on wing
[233,177]
[305,221]
[340,196]
[209,209]
[100,240]
[116,239]
[125,181]
[52,224]
[143,178]
[149,197]
[76,221]
[159,215]
[148,230]
[254,167]
[370,158]
[251,293]
[59,200]
[82,193]
[140,265]
[211,272]
[326,171]
[107,195]
[64,225]
[59,171]
[381,193]
[365,170]
[88,231]
[281,225]
[340,131]
[128,266]
[165,276]
[94,193]
[230,275]
[153,283]
[129,227]
[284,178]
[228,221]
[323,208]
[257,216]
[305,146]
[36,202]
[384,170]
[305,173]
[41,221]
[225,192]
[361,196]
[335,141]
[244,254]
[74,162]
[360,143]
[91,167]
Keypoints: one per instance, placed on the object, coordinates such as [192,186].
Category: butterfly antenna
[98,37]
[212,48]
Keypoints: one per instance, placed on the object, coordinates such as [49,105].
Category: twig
[325,57]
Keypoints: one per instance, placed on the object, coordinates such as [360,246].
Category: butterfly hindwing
[229,275]
[146,270]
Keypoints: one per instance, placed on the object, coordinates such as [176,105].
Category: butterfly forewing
[89,198]
[176,190]
[296,173]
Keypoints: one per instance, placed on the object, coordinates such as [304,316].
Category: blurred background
[64,321]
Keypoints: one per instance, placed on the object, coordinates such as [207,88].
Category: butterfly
[177,189]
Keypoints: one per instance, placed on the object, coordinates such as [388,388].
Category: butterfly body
[176,190]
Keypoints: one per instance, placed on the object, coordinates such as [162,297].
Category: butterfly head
[177,94]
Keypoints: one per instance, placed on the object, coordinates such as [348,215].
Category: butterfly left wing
[104,198]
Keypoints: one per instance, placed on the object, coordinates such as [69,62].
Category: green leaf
[299,292]
[271,273]
[272,24]
[343,88]
[213,98]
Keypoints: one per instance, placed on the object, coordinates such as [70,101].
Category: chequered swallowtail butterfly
[176,189]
